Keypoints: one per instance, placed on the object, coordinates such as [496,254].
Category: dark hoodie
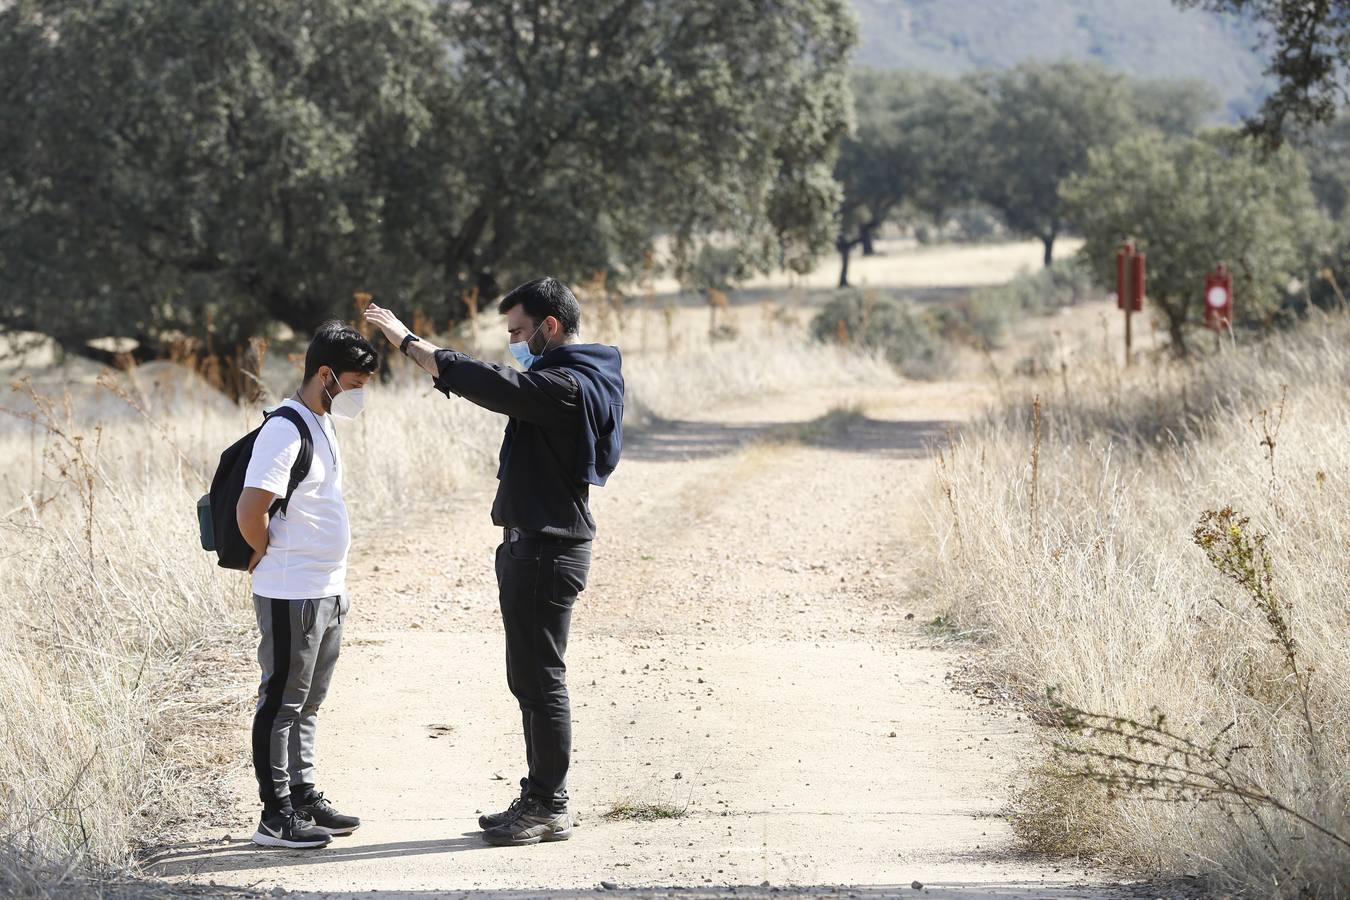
[597,369]
[565,432]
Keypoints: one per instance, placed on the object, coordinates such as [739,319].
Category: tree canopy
[1047,120]
[924,145]
[1311,48]
[184,170]
[1190,205]
[911,149]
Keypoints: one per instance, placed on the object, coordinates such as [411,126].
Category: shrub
[974,223]
[908,337]
[983,316]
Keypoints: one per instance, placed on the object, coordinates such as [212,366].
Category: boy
[299,570]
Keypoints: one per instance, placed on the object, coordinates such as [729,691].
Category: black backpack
[216,510]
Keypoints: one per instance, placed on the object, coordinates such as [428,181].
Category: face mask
[347,405]
[521,350]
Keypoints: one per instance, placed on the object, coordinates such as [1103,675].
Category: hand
[255,559]
[387,322]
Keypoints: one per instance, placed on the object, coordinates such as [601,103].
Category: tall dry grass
[122,644]
[1066,539]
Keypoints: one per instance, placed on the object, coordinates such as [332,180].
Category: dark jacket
[597,369]
[558,440]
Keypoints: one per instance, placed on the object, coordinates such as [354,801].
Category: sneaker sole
[485,823]
[266,840]
[548,838]
[337,832]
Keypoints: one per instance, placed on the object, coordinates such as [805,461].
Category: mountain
[1143,38]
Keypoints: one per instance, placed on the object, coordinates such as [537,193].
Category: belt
[511,535]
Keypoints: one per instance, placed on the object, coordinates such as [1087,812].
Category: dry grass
[123,645]
[645,811]
[1068,541]
[905,263]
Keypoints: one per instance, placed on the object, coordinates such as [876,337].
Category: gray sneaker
[534,823]
[492,820]
[289,828]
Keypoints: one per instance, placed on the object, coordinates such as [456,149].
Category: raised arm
[540,397]
[420,351]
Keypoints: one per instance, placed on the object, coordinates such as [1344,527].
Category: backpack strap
[302,460]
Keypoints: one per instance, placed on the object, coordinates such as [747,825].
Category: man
[564,434]
[299,570]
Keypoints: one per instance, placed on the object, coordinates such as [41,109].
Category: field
[121,666]
[787,511]
[1164,548]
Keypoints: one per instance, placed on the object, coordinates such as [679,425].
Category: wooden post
[1129,342]
[1129,277]
[1125,287]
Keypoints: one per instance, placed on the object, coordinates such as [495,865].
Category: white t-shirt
[307,545]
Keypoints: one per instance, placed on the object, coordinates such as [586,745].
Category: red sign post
[1219,299]
[1130,276]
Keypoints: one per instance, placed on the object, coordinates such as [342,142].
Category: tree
[876,166]
[911,148]
[188,172]
[1326,148]
[1177,108]
[184,171]
[1193,204]
[582,129]
[1309,60]
[1048,119]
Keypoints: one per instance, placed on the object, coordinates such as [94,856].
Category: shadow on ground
[678,440]
[807,298]
[948,891]
[219,857]
[234,860]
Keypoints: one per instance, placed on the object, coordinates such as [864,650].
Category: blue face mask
[521,351]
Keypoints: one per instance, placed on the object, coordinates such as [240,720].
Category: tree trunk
[1176,332]
[232,369]
[1049,241]
[144,352]
[488,287]
[462,263]
[845,248]
[867,234]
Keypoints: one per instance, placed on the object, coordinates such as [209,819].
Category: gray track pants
[297,650]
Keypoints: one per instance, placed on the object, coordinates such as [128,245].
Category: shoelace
[513,811]
[318,800]
[296,817]
[520,807]
[533,807]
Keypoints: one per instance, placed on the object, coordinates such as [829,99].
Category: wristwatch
[407,339]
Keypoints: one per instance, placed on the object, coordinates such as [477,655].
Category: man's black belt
[511,535]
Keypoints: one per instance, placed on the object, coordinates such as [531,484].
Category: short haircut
[545,297]
[342,348]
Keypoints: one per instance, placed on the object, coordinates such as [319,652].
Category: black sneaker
[289,828]
[534,823]
[492,820]
[325,817]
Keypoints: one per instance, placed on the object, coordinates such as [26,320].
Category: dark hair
[545,297]
[340,347]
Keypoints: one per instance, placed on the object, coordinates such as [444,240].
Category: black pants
[538,582]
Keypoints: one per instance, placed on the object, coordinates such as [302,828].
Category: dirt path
[744,652]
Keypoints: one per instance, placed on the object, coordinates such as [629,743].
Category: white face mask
[347,405]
